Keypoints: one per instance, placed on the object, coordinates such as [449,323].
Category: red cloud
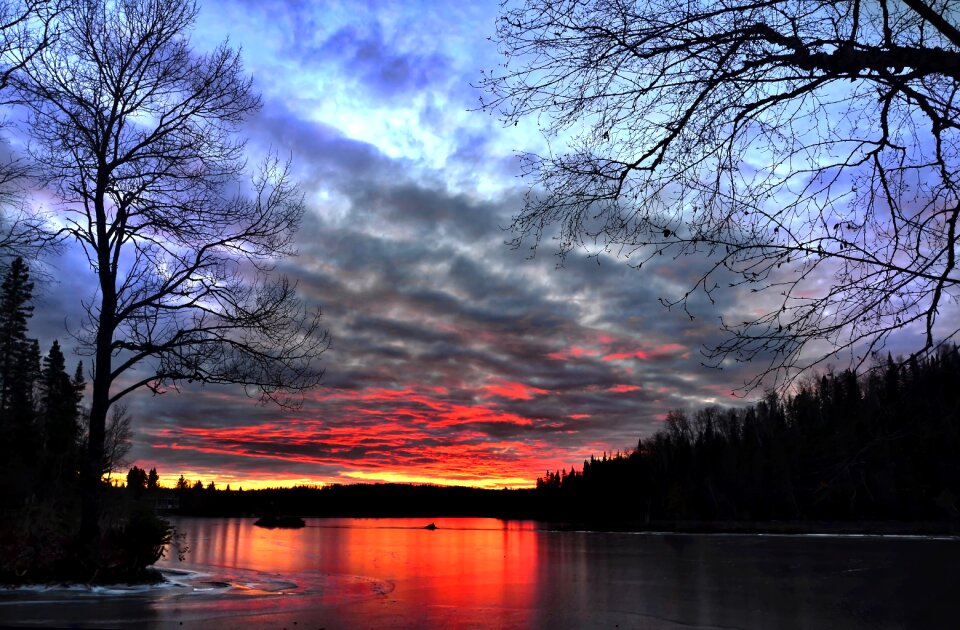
[513,391]
[437,433]
[574,352]
[462,414]
[663,351]
[620,356]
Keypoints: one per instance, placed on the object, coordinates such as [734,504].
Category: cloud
[455,358]
[364,54]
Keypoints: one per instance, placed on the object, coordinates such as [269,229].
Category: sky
[455,359]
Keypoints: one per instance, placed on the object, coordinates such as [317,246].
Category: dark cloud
[364,54]
[329,156]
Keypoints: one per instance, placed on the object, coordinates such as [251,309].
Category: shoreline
[826,528]
[780,528]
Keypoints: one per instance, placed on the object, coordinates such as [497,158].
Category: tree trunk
[90,475]
[93,468]
[102,378]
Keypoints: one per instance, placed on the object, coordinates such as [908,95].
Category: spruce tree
[58,405]
[16,351]
[19,359]
[153,479]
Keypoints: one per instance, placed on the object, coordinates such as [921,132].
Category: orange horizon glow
[359,477]
[410,434]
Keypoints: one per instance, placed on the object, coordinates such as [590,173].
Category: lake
[487,573]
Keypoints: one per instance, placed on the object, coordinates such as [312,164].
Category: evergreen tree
[19,359]
[59,401]
[136,480]
[16,360]
[153,479]
[882,446]
[79,384]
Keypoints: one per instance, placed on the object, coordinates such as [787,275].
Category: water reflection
[502,574]
[464,564]
[484,573]
[637,580]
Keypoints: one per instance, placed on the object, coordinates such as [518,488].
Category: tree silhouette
[880,446]
[136,480]
[19,443]
[58,411]
[39,465]
[39,406]
[17,352]
[59,398]
[153,479]
[134,131]
[785,142]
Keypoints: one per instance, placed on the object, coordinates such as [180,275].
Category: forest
[882,446]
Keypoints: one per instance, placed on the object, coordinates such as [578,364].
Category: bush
[128,550]
[38,544]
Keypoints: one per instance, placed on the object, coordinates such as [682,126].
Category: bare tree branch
[786,142]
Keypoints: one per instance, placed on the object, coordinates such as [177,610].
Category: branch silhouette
[809,151]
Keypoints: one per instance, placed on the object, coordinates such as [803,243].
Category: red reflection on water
[475,563]
[464,562]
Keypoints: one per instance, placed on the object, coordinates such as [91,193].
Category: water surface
[486,573]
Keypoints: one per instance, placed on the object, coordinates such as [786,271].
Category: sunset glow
[456,359]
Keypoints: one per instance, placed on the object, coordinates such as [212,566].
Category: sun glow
[399,477]
[236,482]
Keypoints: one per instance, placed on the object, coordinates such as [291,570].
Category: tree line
[880,447]
[40,411]
[362,500]
[876,447]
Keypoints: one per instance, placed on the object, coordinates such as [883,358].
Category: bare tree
[117,439]
[24,32]
[808,148]
[135,132]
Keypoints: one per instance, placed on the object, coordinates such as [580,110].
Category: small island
[280,522]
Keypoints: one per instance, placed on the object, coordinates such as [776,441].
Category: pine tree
[59,399]
[79,384]
[153,479]
[19,365]
[16,360]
